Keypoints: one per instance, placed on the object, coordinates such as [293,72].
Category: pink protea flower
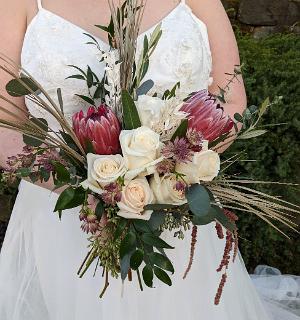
[100,127]
[207,116]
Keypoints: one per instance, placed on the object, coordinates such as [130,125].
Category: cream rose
[140,148]
[164,189]
[204,166]
[149,109]
[135,196]
[102,170]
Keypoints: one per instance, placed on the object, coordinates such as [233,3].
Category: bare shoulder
[210,11]
[13,16]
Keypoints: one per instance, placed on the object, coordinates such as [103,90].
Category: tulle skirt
[41,255]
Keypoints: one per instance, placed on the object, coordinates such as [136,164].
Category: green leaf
[99,209]
[181,130]
[128,244]
[264,107]
[148,276]
[125,265]
[156,220]
[31,141]
[76,76]
[162,276]
[155,241]
[198,200]
[145,87]
[68,139]
[252,134]
[122,223]
[130,113]
[146,46]
[90,77]
[142,226]
[80,70]
[16,89]
[220,216]
[238,117]
[62,174]
[161,261]
[145,68]
[158,206]
[86,99]
[70,198]
[136,259]
[24,172]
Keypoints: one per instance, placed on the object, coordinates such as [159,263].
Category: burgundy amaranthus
[192,253]
[231,244]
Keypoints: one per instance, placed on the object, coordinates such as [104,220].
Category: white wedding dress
[41,255]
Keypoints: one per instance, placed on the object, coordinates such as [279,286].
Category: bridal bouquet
[137,163]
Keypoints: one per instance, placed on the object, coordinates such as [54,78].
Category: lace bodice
[52,43]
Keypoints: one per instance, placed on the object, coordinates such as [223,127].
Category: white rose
[164,189]
[102,170]
[204,166]
[135,196]
[149,109]
[141,150]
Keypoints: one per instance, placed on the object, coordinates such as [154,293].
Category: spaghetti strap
[39,3]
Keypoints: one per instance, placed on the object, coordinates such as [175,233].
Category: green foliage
[272,69]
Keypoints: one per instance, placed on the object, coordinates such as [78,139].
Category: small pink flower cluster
[90,223]
[112,194]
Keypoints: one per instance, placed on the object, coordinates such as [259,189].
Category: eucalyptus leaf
[145,87]
[198,200]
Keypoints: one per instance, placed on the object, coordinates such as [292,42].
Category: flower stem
[105,286]
[140,280]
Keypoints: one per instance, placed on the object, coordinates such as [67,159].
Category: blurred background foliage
[271,68]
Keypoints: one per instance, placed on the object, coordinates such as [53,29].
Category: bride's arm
[13,24]
[225,54]
[12,30]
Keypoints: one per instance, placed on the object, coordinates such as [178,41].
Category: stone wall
[262,17]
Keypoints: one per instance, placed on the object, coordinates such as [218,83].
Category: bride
[41,254]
